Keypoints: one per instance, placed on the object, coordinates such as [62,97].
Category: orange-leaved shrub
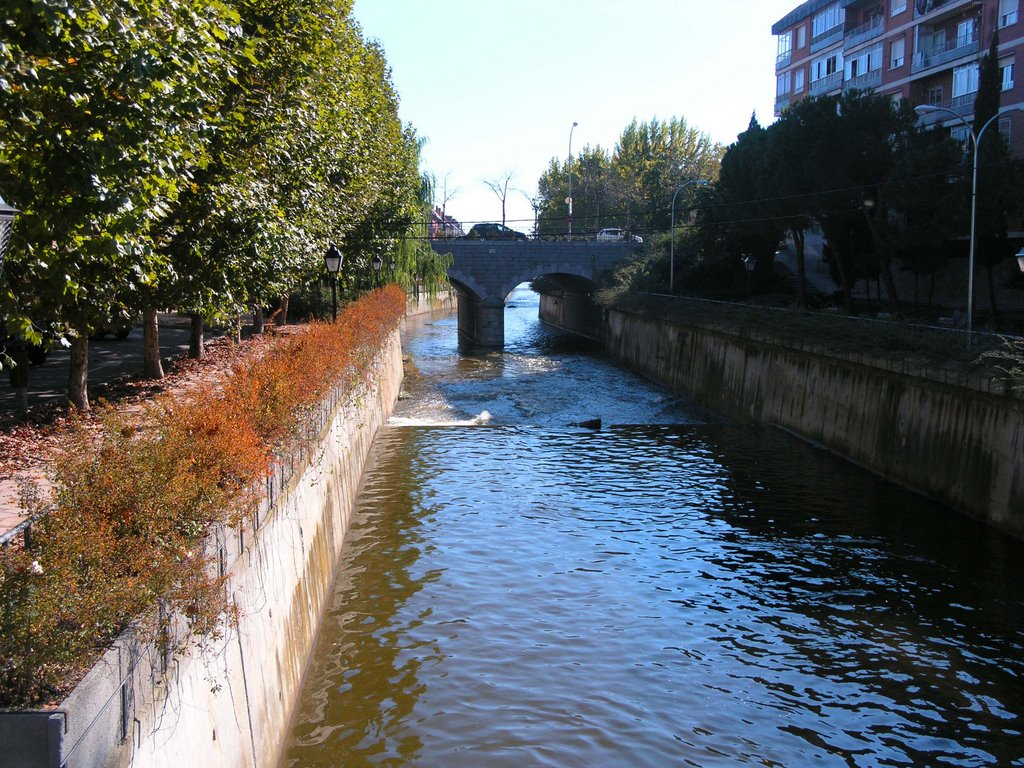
[132,503]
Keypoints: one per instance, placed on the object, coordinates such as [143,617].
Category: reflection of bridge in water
[485,272]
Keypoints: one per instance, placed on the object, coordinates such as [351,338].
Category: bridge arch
[484,273]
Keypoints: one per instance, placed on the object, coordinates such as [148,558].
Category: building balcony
[927,7]
[864,82]
[781,102]
[960,105]
[826,84]
[936,57]
[827,38]
[783,59]
[864,32]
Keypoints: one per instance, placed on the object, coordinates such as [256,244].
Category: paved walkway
[109,359]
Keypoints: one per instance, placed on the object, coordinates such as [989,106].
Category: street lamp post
[568,200]
[7,214]
[377,262]
[924,109]
[749,262]
[332,260]
[672,246]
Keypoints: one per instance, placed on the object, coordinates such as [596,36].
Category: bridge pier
[480,324]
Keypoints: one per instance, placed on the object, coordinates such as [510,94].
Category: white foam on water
[484,417]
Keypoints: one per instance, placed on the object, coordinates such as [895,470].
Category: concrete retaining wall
[229,702]
[959,445]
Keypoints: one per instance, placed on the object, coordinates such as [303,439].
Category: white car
[617,235]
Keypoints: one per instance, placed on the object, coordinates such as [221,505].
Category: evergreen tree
[998,174]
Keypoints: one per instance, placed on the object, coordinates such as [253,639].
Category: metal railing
[858,35]
[827,38]
[963,45]
[865,81]
[826,84]
[925,7]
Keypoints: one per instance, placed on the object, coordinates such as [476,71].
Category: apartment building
[927,51]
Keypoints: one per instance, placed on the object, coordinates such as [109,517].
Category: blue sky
[494,87]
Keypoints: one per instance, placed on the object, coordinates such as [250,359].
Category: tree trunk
[19,375]
[152,366]
[992,292]
[890,284]
[801,269]
[282,316]
[78,373]
[843,262]
[257,320]
[196,343]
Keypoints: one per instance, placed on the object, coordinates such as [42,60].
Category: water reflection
[676,592]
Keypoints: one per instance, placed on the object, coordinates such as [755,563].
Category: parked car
[617,235]
[118,327]
[493,232]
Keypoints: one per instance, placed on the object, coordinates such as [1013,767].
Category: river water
[670,589]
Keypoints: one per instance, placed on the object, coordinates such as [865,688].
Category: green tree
[737,218]
[999,175]
[99,102]
[631,187]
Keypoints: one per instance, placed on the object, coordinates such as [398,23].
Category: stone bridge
[485,272]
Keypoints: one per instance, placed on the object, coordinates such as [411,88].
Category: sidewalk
[110,359]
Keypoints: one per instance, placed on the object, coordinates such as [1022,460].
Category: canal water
[670,589]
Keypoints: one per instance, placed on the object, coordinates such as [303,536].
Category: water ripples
[659,595]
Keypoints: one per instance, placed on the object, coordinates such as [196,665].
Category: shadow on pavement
[110,360]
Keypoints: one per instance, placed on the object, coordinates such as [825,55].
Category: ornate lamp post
[749,262]
[568,200]
[332,260]
[672,246]
[7,214]
[925,109]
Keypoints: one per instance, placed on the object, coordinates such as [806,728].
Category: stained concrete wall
[229,701]
[955,443]
[573,312]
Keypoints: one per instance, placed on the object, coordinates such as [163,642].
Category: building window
[898,6]
[965,33]
[897,50]
[785,54]
[961,134]
[826,65]
[1007,12]
[785,44]
[827,20]
[801,36]
[934,96]
[867,60]
[1004,127]
[965,80]
[782,84]
[1006,74]
[938,41]
[798,80]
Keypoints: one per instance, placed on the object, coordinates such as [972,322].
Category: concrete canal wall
[229,702]
[955,441]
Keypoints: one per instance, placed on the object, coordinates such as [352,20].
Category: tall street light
[568,200]
[332,260]
[672,247]
[7,214]
[925,109]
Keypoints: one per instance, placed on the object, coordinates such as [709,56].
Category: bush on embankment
[131,505]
